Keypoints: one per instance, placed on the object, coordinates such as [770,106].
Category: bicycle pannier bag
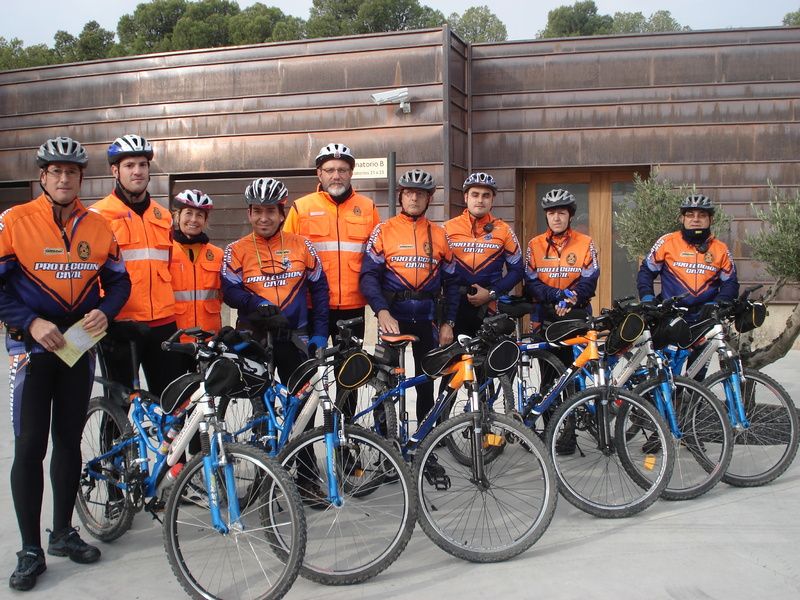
[624,334]
[502,358]
[752,316]
[436,361]
[301,375]
[354,371]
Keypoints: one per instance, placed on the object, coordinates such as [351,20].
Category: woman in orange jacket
[196,264]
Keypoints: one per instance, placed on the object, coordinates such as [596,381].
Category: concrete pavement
[728,544]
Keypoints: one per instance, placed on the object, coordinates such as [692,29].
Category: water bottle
[170,435]
[169,478]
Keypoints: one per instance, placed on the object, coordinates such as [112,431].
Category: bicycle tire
[476,523]
[704,452]
[365,535]
[763,451]
[459,446]
[237,413]
[545,368]
[264,550]
[382,420]
[105,511]
[595,479]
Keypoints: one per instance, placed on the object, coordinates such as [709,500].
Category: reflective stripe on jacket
[707,276]
[198,297]
[55,273]
[339,233]
[407,256]
[146,245]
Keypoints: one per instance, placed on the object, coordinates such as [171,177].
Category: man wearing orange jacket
[482,246]
[143,229]
[196,264]
[54,255]
[338,222]
[408,262]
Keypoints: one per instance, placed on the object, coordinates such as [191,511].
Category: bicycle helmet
[479,179]
[695,201]
[416,180]
[558,198]
[63,150]
[129,145]
[339,151]
[266,191]
[193,199]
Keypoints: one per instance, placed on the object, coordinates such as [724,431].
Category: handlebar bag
[563,330]
[624,334]
[179,391]
[301,375]
[436,361]
[502,358]
[750,317]
[223,378]
[671,330]
[355,370]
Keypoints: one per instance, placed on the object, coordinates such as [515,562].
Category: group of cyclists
[324,259]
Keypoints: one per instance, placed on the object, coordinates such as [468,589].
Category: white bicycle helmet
[479,179]
[63,150]
[695,201]
[129,145]
[266,191]
[339,151]
[416,179]
[193,199]
[559,198]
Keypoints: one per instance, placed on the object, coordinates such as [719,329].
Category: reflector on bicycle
[355,370]
[179,391]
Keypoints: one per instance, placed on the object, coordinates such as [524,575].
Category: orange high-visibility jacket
[196,283]
[339,233]
[146,245]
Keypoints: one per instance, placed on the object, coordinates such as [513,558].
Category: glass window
[623,270]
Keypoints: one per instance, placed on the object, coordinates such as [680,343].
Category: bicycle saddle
[398,340]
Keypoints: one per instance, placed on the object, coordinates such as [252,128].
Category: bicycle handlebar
[189,348]
[342,324]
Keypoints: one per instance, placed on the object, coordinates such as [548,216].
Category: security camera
[396,95]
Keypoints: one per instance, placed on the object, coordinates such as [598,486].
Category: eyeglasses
[59,173]
[412,193]
[340,171]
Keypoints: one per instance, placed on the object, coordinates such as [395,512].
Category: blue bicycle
[233,521]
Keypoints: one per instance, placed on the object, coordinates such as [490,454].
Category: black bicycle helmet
[266,191]
[695,201]
[62,150]
[338,151]
[559,198]
[129,145]
[416,179]
[479,179]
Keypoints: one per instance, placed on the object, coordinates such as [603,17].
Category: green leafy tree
[636,22]
[792,19]
[662,20]
[13,55]
[94,42]
[777,245]
[65,47]
[330,18]
[255,24]
[150,27]
[204,25]
[579,19]
[478,24]
[290,28]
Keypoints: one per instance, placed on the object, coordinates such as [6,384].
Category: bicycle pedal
[114,508]
[492,439]
[436,476]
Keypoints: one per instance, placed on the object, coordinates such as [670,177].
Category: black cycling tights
[42,384]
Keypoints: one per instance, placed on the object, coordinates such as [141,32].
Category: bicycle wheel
[238,414]
[593,476]
[544,368]
[495,519]
[765,449]
[105,511]
[367,532]
[704,449]
[458,405]
[260,555]
[382,419]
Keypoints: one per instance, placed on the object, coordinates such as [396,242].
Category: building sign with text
[370,168]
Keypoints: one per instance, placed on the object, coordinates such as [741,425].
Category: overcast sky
[36,21]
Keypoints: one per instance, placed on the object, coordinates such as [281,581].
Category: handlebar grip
[344,324]
[189,348]
[328,352]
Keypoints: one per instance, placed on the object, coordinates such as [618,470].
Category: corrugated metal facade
[719,109]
